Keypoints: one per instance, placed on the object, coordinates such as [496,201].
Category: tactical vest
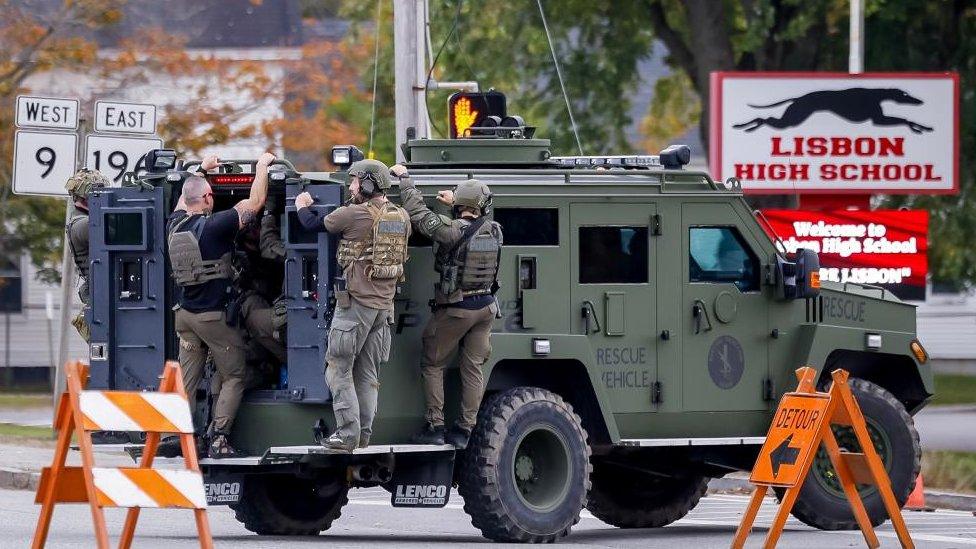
[385,247]
[187,263]
[78,251]
[77,226]
[470,267]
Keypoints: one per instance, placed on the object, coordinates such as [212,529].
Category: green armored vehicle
[649,327]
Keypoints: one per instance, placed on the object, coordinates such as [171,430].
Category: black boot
[431,434]
[220,448]
[458,437]
[170,447]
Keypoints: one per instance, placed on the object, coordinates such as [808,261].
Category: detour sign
[790,439]
[802,423]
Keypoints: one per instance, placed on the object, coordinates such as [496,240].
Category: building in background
[270,33]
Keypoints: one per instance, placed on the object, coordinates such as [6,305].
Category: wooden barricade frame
[852,468]
[67,484]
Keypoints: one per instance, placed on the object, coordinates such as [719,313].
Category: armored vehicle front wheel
[625,499]
[822,503]
[286,505]
[526,471]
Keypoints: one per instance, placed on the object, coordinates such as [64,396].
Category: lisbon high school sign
[836,133]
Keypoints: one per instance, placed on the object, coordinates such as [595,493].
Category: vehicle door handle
[589,311]
[698,311]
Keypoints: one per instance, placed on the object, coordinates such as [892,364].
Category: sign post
[802,421]
[43,161]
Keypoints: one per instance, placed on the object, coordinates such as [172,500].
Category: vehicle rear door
[614,297]
[128,287]
[309,270]
[724,311]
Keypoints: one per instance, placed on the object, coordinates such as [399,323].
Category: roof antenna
[559,74]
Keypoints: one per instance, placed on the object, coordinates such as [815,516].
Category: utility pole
[855,60]
[410,70]
[67,280]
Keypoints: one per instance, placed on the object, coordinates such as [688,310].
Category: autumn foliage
[300,102]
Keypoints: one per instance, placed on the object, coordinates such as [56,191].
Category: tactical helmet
[373,170]
[83,181]
[473,194]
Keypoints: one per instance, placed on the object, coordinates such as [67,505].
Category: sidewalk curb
[936,499]
[18,479]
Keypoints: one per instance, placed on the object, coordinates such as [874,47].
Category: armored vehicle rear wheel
[626,499]
[526,471]
[286,505]
[822,503]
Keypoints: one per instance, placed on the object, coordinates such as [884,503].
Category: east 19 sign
[114,156]
[43,161]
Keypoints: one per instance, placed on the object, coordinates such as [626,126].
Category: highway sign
[791,438]
[114,155]
[47,112]
[111,116]
[43,161]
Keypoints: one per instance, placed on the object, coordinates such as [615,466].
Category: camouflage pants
[359,341]
[81,325]
[258,318]
[79,321]
[445,329]
[208,331]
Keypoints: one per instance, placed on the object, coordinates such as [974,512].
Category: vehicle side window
[613,255]
[720,255]
[529,226]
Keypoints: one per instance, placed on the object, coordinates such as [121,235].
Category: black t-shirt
[216,239]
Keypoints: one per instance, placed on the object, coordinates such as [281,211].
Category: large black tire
[626,499]
[822,505]
[285,505]
[526,471]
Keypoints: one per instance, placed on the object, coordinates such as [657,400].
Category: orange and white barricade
[80,412]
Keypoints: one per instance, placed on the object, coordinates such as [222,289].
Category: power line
[559,74]
[376,72]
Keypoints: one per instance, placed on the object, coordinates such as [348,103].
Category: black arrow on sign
[784,454]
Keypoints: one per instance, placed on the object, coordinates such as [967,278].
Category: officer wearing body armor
[201,246]
[372,252]
[466,260]
[76,231]
[261,258]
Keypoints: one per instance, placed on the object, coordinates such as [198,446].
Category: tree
[901,35]
[503,45]
[313,91]
[37,37]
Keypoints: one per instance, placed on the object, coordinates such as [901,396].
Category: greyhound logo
[852,104]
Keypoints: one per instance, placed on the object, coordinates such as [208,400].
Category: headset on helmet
[373,176]
[472,194]
[83,181]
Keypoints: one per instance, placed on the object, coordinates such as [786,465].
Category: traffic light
[466,110]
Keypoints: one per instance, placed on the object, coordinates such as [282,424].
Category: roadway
[369,521]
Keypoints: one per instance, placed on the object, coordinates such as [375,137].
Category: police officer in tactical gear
[372,252]
[201,246]
[467,255]
[76,231]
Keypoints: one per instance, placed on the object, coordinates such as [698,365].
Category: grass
[952,471]
[954,389]
[11,432]
[25,400]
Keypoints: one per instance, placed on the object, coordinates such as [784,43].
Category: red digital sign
[887,248]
